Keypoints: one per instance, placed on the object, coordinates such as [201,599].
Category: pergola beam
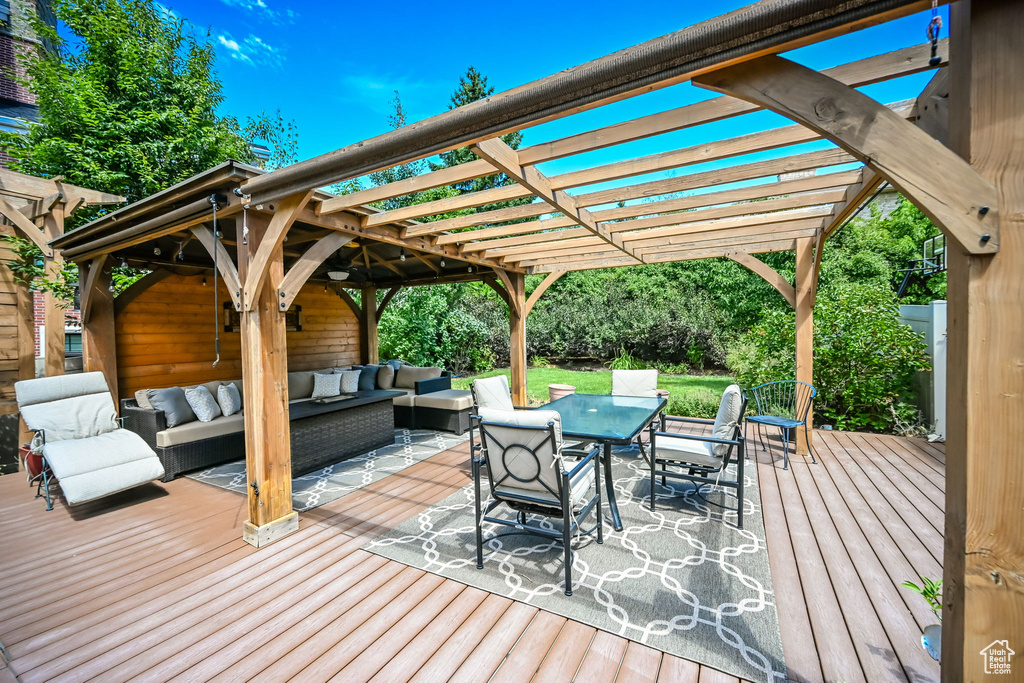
[505,159]
[944,186]
[768,274]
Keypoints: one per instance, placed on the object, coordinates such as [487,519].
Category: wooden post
[517,336]
[983,591]
[268,462]
[804,328]
[368,343]
[53,308]
[99,343]
[26,345]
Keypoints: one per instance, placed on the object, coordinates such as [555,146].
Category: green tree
[128,102]
[473,86]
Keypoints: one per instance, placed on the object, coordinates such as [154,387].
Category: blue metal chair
[784,404]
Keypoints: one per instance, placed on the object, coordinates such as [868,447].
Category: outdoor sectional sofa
[321,433]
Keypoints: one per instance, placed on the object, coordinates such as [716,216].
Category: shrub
[864,358]
[695,403]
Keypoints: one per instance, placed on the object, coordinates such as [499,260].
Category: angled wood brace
[287,210]
[25,226]
[307,263]
[770,275]
[225,266]
[945,187]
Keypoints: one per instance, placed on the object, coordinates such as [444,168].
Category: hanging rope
[934,27]
[216,308]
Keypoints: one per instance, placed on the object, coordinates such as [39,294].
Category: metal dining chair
[784,404]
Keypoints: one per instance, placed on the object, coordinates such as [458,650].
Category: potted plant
[931,591]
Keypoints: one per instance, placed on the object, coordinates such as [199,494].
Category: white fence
[930,321]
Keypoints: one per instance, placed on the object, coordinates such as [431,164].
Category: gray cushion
[687,450]
[493,393]
[386,377]
[408,375]
[341,370]
[727,419]
[368,377]
[350,381]
[500,433]
[174,404]
[300,384]
[195,431]
[142,399]
[202,402]
[406,399]
[325,386]
[101,465]
[74,417]
[449,399]
[395,364]
[46,389]
[229,398]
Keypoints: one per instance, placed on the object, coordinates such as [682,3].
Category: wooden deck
[156,584]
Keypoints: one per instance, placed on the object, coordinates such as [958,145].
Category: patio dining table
[610,421]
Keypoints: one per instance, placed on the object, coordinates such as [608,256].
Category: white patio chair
[522,453]
[642,383]
[77,434]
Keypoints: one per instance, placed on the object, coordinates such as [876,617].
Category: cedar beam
[517,337]
[804,331]
[287,210]
[536,294]
[225,266]
[300,271]
[943,185]
[369,351]
[505,159]
[983,588]
[26,227]
[99,341]
[53,308]
[769,274]
[268,463]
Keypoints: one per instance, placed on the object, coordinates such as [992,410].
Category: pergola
[956,150]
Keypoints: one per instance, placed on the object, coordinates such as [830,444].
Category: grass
[691,395]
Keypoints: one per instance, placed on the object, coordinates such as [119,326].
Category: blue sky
[333,67]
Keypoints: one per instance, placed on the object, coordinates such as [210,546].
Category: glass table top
[605,418]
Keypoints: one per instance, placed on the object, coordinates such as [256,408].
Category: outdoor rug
[681,579]
[334,481]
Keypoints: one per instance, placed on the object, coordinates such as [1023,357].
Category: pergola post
[804,329]
[268,461]
[368,342]
[53,312]
[517,335]
[983,593]
[99,343]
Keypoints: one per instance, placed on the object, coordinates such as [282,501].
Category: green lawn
[691,395]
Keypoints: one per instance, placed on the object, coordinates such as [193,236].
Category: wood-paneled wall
[165,337]
[17,350]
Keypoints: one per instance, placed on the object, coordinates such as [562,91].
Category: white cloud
[262,11]
[251,50]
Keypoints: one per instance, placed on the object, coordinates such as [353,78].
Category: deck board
[156,584]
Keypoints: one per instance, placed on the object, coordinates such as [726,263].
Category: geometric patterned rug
[681,579]
[334,481]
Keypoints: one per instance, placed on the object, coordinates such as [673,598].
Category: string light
[442,263]
[401,254]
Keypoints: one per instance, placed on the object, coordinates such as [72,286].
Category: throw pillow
[325,386]
[386,377]
[349,381]
[395,364]
[368,377]
[229,398]
[142,399]
[173,403]
[202,403]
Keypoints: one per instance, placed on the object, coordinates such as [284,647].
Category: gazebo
[955,150]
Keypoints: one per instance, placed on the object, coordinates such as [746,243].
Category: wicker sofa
[194,445]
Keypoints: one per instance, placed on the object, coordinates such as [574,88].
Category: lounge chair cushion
[686,450]
[635,383]
[100,465]
[408,375]
[493,393]
[202,402]
[72,418]
[407,399]
[386,377]
[229,398]
[727,419]
[448,399]
[300,384]
[196,431]
[507,448]
[173,403]
[325,386]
